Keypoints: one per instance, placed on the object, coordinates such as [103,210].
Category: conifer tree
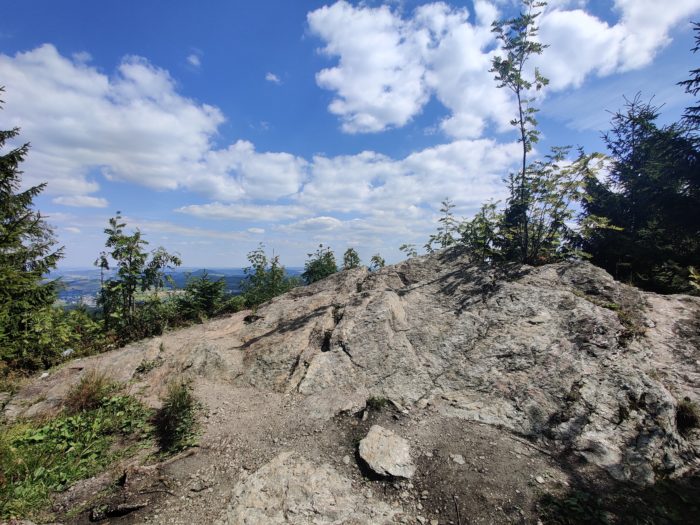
[652,198]
[351,259]
[320,265]
[27,254]
[692,86]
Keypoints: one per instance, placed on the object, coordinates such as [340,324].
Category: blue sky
[217,125]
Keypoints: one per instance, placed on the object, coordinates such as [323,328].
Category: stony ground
[467,472]
[508,387]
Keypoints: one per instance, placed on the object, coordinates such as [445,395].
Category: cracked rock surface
[291,489]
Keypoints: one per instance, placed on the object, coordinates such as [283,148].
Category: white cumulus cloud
[194,60]
[132,126]
[271,77]
[238,211]
[81,201]
[389,64]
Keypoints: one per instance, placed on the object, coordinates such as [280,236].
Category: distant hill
[81,285]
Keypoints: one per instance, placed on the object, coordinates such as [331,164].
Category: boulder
[386,453]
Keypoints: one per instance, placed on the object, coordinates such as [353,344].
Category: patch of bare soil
[467,472]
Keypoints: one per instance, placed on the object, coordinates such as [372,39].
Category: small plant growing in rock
[687,416]
[376,403]
[176,421]
[147,365]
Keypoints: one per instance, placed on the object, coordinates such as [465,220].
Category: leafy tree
[202,297]
[134,273]
[351,259]
[535,227]
[27,253]
[692,86]
[376,262]
[447,232]
[652,197]
[518,41]
[265,278]
[320,265]
[409,250]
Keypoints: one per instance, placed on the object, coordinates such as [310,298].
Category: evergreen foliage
[351,259]
[27,253]
[202,297]
[320,265]
[692,86]
[652,197]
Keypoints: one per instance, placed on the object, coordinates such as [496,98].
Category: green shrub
[233,304]
[51,332]
[320,265]
[150,318]
[147,365]
[264,279]
[176,421]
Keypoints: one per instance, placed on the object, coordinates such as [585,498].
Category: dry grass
[90,392]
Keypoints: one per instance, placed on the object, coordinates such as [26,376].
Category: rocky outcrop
[562,355]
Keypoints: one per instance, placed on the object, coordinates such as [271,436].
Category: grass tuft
[92,390]
[176,421]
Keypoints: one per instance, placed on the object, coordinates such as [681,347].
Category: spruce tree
[27,254]
[320,265]
[351,259]
[652,198]
[692,86]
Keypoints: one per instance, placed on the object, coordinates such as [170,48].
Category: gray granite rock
[386,453]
